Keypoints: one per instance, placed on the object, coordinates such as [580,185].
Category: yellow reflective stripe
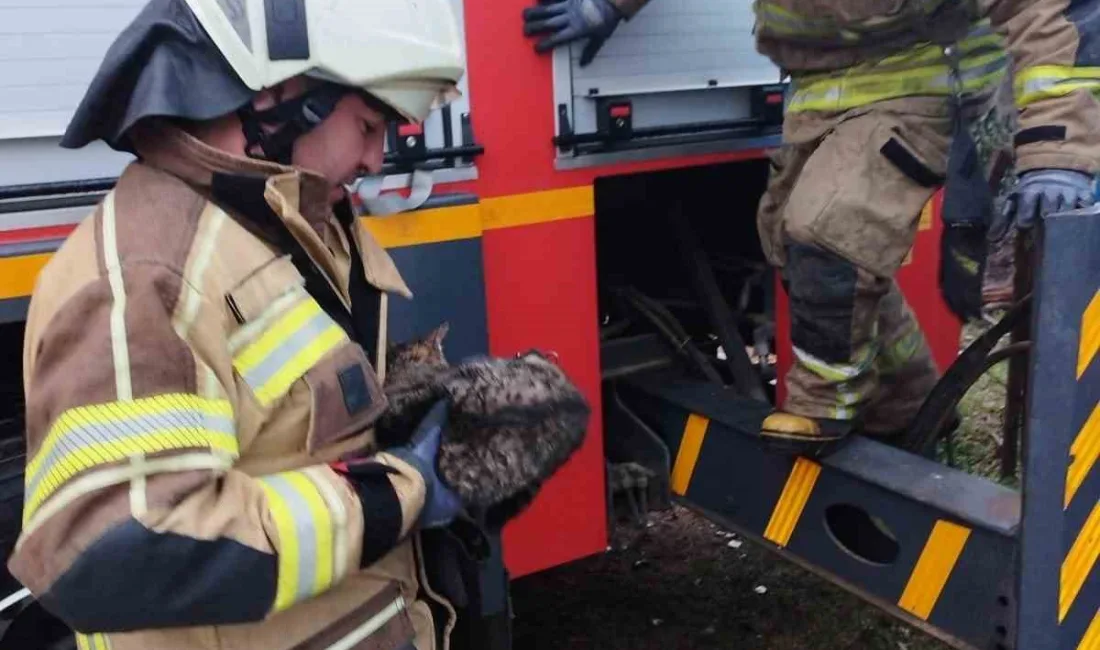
[280,383]
[1079,562]
[89,436]
[92,642]
[269,341]
[98,454]
[1050,81]
[941,552]
[1090,336]
[323,529]
[838,372]
[1083,455]
[695,431]
[1091,640]
[788,509]
[283,353]
[859,89]
[168,405]
[307,536]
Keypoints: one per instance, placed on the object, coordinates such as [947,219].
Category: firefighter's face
[348,144]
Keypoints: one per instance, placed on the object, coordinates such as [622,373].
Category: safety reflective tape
[92,642]
[1090,336]
[1041,82]
[282,354]
[920,71]
[941,552]
[1079,562]
[1091,640]
[307,537]
[695,431]
[857,90]
[1083,455]
[89,436]
[837,372]
[788,509]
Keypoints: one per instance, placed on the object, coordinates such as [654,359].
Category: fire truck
[606,214]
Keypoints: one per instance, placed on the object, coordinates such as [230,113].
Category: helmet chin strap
[293,119]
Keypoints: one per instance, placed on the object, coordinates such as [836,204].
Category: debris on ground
[705,596]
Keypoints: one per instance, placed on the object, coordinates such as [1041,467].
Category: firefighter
[888,102]
[203,355]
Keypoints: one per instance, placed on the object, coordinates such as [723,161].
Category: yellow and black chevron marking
[1091,640]
[1090,336]
[1081,560]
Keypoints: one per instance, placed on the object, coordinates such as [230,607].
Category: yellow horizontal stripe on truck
[18,274]
[430,226]
[538,207]
[426,226]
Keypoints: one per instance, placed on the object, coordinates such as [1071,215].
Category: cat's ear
[437,335]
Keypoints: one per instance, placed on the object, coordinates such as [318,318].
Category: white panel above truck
[680,74]
[49,53]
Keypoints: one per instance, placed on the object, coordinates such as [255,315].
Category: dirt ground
[679,583]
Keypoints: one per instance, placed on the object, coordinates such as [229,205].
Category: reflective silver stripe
[288,349]
[370,627]
[176,423]
[306,533]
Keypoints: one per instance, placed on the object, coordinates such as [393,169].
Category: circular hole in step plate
[861,535]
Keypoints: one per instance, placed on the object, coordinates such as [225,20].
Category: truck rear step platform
[918,539]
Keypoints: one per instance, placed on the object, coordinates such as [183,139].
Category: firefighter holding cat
[208,346]
[990,99]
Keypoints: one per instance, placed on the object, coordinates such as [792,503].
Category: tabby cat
[512,422]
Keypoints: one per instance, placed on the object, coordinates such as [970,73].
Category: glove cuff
[380,505]
[427,474]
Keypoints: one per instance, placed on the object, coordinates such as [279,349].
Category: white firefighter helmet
[201,59]
[406,53]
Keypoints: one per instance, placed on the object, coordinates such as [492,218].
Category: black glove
[567,21]
[967,213]
[962,267]
[441,504]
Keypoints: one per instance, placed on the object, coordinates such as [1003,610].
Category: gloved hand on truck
[567,21]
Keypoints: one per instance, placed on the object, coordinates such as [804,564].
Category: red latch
[777,98]
[620,110]
[405,130]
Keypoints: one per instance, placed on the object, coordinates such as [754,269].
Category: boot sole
[795,445]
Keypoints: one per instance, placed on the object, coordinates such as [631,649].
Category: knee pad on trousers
[822,291]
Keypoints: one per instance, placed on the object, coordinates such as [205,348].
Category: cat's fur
[512,422]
